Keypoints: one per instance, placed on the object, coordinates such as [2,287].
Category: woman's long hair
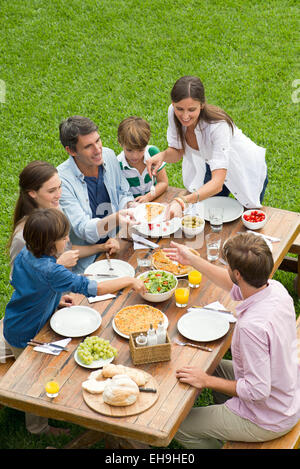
[192,87]
[31,178]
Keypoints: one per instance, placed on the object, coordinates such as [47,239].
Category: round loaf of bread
[120,391]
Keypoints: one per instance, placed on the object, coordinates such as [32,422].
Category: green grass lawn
[110,59]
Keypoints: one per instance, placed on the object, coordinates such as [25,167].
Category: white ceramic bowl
[254,225]
[190,232]
[158,297]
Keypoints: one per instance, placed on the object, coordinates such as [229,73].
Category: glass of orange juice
[195,278]
[51,381]
[182,293]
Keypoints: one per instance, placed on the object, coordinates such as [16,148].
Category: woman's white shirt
[243,159]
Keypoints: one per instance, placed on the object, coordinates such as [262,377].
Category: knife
[213,309]
[148,390]
[100,275]
[48,344]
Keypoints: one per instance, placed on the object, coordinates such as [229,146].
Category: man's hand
[112,245]
[192,375]
[179,253]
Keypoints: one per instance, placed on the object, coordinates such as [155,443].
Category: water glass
[143,260]
[182,293]
[213,243]
[216,218]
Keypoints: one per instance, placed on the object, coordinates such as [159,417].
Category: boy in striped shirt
[133,136]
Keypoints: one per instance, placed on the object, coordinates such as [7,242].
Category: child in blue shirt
[133,136]
[39,281]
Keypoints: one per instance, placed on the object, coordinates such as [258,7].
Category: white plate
[166,324]
[159,229]
[121,269]
[232,208]
[140,212]
[75,321]
[95,364]
[202,327]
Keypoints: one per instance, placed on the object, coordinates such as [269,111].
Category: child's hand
[142,199]
[68,258]
[65,301]
[138,285]
[112,246]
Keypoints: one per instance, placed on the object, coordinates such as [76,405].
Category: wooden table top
[23,385]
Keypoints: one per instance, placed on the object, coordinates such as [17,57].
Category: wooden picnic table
[22,387]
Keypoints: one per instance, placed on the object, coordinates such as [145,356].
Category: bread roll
[138,376]
[97,375]
[95,387]
[120,391]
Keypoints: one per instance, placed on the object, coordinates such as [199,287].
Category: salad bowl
[160,285]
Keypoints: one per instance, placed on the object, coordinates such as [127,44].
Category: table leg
[91,437]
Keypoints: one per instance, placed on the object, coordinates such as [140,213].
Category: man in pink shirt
[257,394]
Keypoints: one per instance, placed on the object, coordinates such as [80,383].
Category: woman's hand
[68,258]
[65,301]
[154,163]
[179,253]
[112,245]
[173,210]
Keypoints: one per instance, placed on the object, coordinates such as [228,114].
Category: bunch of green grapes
[94,348]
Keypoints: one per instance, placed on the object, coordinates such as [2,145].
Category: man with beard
[257,393]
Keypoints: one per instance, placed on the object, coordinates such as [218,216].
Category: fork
[109,261]
[201,347]
[152,188]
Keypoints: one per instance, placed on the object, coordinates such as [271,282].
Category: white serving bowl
[158,297]
[190,232]
[254,225]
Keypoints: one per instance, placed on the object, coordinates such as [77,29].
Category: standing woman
[40,187]
[217,157]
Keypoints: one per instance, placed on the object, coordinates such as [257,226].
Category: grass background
[110,59]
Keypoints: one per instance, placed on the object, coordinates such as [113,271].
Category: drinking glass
[195,278]
[182,293]
[216,218]
[213,243]
[143,260]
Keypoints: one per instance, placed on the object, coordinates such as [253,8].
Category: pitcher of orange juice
[182,293]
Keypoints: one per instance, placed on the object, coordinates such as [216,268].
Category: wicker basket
[149,354]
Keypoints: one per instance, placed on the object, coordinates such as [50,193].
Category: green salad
[159,281]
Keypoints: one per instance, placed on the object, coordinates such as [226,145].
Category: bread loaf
[120,391]
[95,387]
[138,376]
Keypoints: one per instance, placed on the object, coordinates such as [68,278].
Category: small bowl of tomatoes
[254,219]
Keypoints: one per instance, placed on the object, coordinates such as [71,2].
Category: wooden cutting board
[144,401]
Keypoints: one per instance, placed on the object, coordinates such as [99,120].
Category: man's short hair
[43,227]
[134,133]
[251,256]
[71,128]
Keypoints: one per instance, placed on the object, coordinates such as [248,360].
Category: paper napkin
[94,299]
[52,350]
[142,243]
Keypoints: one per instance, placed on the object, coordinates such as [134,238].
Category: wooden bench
[289,441]
[292,264]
